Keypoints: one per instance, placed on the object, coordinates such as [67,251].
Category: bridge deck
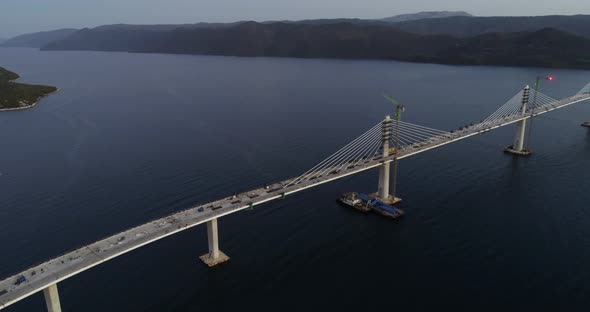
[43,275]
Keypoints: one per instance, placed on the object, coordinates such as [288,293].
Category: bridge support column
[52,298]
[385,169]
[215,256]
[518,148]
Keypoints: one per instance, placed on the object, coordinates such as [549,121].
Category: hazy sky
[22,16]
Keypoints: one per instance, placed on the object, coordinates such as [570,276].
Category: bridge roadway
[43,275]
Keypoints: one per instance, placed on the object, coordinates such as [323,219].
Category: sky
[24,16]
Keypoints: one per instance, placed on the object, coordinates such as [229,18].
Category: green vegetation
[7,75]
[18,95]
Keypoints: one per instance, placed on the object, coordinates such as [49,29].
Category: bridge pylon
[385,169]
[215,256]
[518,147]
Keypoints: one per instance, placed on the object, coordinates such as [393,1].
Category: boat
[352,200]
[381,207]
[586,124]
[388,211]
[366,203]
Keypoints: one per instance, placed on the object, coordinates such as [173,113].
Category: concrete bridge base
[215,256]
[211,261]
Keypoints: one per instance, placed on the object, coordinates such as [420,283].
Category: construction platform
[390,200]
[381,207]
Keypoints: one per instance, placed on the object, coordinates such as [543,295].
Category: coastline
[30,105]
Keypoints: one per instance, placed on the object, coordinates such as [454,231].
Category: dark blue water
[133,137]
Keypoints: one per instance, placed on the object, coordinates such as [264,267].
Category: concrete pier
[52,298]
[215,256]
[518,147]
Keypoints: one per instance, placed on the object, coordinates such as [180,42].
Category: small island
[15,95]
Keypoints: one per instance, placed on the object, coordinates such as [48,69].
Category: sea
[134,137]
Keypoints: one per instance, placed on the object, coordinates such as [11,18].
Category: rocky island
[14,95]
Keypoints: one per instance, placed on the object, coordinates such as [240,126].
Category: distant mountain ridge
[544,48]
[247,39]
[386,20]
[455,23]
[164,27]
[39,39]
[424,15]
[549,41]
[466,26]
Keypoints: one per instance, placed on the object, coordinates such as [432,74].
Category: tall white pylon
[518,147]
[384,170]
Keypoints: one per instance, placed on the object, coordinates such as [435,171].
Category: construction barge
[365,203]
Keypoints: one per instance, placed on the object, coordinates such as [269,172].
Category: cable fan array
[510,108]
[540,101]
[585,89]
[513,108]
[412,135]
[369,147]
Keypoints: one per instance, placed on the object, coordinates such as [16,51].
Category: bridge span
[370,150]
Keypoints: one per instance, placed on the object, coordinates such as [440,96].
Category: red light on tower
[550,78]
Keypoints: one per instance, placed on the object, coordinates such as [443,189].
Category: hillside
[14,95]
[464,26]
[341,40]
[424,15]
[546,47]
[379,21]
[6,75]
[39,39]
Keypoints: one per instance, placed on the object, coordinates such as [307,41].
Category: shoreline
[30,105]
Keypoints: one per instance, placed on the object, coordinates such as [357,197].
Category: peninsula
[14,95]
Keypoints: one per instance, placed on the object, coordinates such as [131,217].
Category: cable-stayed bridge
[385,143]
